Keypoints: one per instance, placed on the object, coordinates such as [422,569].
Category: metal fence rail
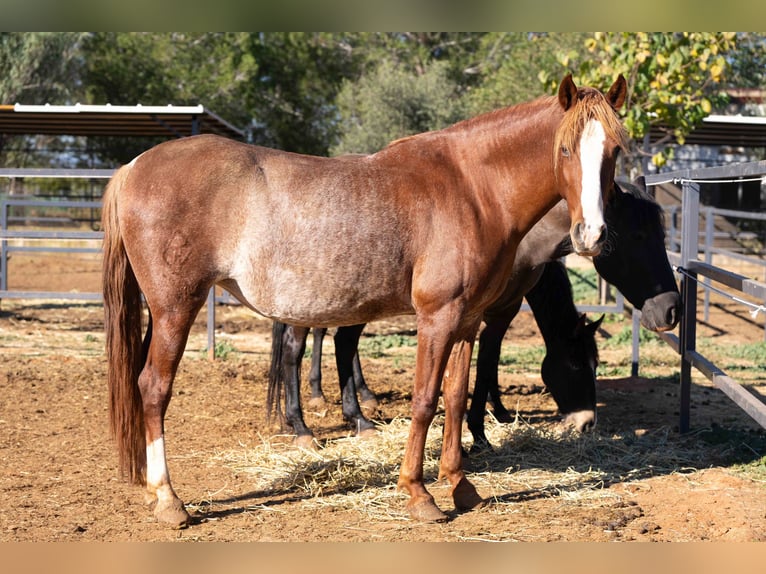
[9,236]
[690,267]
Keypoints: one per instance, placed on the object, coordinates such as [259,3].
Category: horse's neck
[548,239]
[515,153]
[554,311]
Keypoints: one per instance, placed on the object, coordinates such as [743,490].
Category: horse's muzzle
[587,239]
[662,312]
[582,421]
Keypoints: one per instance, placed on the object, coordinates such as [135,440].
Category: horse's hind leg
[368,398]
[170,330]
[346,344]
[294,346]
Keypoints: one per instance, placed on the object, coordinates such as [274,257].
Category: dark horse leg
[490,343]
[288,347]
[346,355]
[567,377]
[366,396]
[317,400]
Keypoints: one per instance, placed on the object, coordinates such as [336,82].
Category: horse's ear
[617,93]
[596,324]
[567,92]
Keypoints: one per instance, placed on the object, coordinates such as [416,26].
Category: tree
[292,91]
[391,102]
[508,65]
[674,79]
[37,68]
[212,69]
[748,62]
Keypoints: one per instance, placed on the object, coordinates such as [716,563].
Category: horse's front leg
[294,346]
[317,400]
[455,393]
[436,335]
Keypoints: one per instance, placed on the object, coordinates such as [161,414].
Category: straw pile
[527,462]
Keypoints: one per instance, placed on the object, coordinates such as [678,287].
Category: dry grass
[528,462]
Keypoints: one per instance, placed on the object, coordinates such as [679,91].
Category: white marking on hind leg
[591,156]
[157,476]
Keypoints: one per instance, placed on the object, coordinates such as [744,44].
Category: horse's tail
[124,352]
[276,382]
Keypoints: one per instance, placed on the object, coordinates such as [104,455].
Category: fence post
[211,324]
[709,220]
[636,326]
[3,247]
[688,329]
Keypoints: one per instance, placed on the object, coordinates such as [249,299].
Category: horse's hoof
[466,497]
[173,515]
[305,441]
[367,433]
[426,511]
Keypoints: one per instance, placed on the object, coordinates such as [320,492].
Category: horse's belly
[314,296]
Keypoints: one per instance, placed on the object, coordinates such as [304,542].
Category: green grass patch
[377,346]
[223,349]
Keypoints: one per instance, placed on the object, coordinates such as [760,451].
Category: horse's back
[300,238]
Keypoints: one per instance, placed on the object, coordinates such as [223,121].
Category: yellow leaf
[707,107]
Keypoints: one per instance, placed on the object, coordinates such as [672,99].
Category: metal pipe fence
[690,268]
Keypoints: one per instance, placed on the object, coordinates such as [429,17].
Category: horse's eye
[565,151]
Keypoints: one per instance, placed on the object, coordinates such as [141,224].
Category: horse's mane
[590,104]
[479,121]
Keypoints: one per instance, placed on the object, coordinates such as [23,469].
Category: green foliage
[674,79]
[377,345]
[584,285]
[315,92]
[37,67]
[741,356]
[391,102]
[523,358]
[222,349]
[625,337]
[291,94]
[509,64]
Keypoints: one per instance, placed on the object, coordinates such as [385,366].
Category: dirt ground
[59,482]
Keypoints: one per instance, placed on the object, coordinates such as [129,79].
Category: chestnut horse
[428,225]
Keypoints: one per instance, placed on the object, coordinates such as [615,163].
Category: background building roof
[108,120]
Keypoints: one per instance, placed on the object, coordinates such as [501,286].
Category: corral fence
[690,267]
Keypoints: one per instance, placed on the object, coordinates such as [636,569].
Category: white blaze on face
[591,155]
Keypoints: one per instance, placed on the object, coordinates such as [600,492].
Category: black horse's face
[635,261]
[569,373]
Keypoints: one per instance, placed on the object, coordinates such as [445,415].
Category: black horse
[634,261]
